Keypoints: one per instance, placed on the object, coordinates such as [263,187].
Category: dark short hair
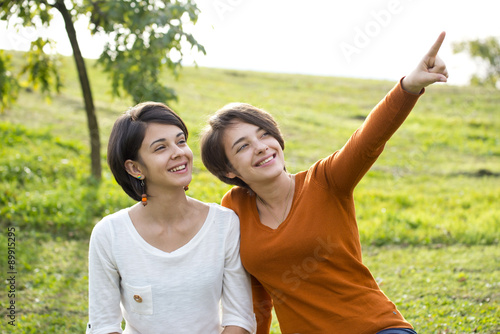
[126,139]
[213,154]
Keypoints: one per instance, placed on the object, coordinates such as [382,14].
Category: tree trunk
[95,144]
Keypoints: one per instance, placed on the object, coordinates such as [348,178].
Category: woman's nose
[177,152]
[261,147]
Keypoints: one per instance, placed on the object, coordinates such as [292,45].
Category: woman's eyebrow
[238,141]
[157,141]
[243,138]
[180,134]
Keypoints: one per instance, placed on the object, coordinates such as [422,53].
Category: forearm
[104,290]
[262,307]
[357,156]
[387,116]
[234,330]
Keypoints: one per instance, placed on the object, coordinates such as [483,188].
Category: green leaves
[42,62]
[26,12]
[146,37]
[487,53]
[42,67]
[9,86]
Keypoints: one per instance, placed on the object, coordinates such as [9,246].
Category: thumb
[431,78]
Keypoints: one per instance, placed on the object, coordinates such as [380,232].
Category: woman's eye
[265,134]
[159,148]
[241,147]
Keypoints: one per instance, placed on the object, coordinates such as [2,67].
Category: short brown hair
[126,139]
[213,154]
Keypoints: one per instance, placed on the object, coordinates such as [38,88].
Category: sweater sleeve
[236,290]
[104,284]
[345,168]
[262,302]
[262,306]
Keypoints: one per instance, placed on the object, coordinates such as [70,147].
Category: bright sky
[380,39]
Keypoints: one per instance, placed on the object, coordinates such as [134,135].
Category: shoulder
[110,223]
[223,214]
[320,170]
[235,197]
[224,220]
[324,163]
[225,226]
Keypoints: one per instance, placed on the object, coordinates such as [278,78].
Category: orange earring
[144,199]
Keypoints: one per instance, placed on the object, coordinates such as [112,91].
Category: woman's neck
[167,207]
[277,191]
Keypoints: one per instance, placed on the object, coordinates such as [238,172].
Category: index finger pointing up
[437,44]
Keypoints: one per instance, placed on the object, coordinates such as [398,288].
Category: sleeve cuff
[407,92]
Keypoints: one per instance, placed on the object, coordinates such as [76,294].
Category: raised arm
[346,168]
[431,69]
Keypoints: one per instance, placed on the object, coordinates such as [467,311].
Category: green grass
[452,289]
[428,210]
[51,285]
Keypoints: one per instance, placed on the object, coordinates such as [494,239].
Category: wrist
[410,87]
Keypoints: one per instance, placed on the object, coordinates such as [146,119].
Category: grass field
[428,210]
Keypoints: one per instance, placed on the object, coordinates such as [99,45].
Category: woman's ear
[231,175]
[133,168]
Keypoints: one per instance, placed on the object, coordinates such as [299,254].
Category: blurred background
[376,39]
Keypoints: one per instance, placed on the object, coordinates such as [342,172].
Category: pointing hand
[431,69]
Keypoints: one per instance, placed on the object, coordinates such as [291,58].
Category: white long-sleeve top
[159,292]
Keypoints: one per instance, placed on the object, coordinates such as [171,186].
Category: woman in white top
[169,263]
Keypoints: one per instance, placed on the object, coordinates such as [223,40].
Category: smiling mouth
[266,160]
[178,168]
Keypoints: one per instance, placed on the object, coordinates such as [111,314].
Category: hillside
[436,182]
[428,210]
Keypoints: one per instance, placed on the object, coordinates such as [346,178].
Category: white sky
[380,39]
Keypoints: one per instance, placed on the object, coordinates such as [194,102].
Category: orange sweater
[310,268]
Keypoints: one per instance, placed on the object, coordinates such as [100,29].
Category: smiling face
[165,159]
[254,154]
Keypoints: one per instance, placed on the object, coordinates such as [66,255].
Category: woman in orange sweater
[299,236]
